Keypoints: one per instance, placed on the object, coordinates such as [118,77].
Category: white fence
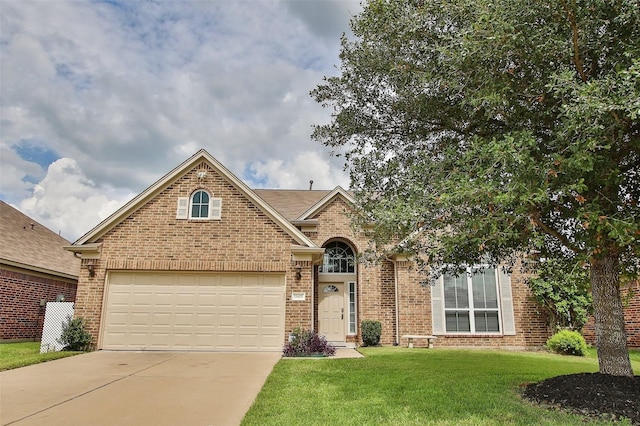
[55,316]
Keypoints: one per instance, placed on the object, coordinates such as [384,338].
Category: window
[200,206]
[352,308]
[471,302]
[338,259]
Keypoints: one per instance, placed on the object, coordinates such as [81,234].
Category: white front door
[331,313]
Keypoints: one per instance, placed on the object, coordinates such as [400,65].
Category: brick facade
[631,303]
[21,315]
[151,238]
[246,239]
[377,295]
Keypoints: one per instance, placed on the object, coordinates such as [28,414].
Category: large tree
[478,129]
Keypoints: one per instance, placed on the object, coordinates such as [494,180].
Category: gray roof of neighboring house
[291,203]
[27,244]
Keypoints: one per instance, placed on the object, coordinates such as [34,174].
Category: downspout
[395,283]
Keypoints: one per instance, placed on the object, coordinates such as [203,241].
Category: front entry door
[331,312]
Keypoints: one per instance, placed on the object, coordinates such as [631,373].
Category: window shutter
[215,211]
[437,307]
[508,320]
[183,208]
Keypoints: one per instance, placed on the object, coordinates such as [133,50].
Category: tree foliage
[562,291]
[476,130]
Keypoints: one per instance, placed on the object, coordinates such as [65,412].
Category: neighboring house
[200,261]
[34,269]
[631,303]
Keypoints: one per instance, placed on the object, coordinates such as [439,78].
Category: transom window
[338,259]
[330,289]
[471,302]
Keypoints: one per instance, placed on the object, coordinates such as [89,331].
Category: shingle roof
[26,243]
[291,203]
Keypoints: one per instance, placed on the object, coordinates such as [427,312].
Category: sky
[100,99]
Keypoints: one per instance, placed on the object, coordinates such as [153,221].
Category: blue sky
[99,99]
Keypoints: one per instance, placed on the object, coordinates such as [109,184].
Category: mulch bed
[590,394]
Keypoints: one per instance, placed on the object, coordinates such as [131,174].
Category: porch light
[91,267]
[298,269]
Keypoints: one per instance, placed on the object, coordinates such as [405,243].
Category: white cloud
[128,90]
[298,172]
[16,173]
[66,201]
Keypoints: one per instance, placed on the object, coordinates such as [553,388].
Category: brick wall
[375,292]
[376,295]
[21,316]
[152,238]
[631,302]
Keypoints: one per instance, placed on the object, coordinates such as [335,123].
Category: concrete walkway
[135,388]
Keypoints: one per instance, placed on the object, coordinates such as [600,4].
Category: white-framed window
[353,320]
[338,259]
[469,312]
[200,206]
[471,301]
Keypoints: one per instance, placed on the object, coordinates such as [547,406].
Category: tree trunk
[611,338]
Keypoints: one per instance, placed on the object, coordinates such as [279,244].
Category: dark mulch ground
[590,394]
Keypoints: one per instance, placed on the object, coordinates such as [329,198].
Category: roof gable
[326,200]
[175,174]
[26,244]
[291,203]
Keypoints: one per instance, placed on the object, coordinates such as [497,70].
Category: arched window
[200,205]
[338,259]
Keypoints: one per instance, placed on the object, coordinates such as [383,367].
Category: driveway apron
[135,388]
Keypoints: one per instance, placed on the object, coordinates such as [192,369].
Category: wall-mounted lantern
[298,269]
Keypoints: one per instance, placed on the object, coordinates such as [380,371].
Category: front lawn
[14,355]
[398,386]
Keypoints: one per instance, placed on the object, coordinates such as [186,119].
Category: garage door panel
[250,300]
[207,300]
[205,320]
[271,301]
[248,320]
[270,321]
[194,311]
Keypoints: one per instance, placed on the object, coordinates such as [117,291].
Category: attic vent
[203,167]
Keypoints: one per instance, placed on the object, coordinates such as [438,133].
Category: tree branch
[537,221]
[574,30]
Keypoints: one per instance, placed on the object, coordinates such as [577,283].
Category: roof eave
[38,269]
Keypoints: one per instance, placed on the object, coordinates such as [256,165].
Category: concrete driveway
[135,388]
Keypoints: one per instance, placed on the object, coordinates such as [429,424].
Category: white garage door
[184,311]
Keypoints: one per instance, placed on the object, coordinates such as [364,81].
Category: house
[34,269]
[200,261]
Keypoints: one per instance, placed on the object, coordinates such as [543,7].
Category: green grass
[398,386]
[15,355]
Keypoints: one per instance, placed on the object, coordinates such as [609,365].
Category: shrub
[74,337]
[567,342]
[307,343]
[371,331]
